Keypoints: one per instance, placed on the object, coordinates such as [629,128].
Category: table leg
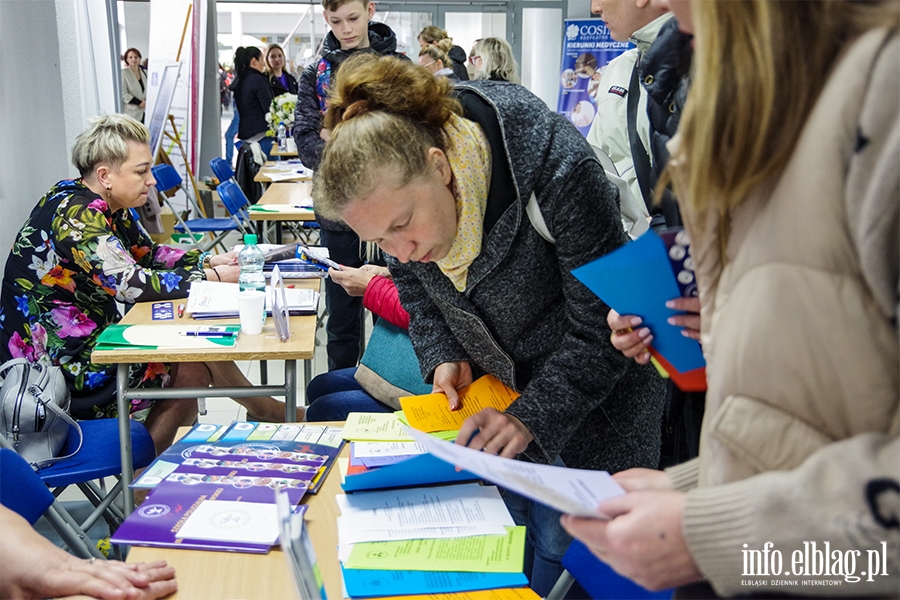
[122,405]
[290,391]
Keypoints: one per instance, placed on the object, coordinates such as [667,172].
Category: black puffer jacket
[312,92]
[665,69]
[523,317]
[459,58]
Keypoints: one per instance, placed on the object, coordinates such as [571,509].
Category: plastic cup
[251,307]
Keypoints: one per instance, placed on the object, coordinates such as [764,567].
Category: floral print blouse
[70,263]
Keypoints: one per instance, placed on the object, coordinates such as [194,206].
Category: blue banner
[587,48]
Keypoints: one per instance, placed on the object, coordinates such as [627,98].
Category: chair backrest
[21,490]
[166,177]
[233,198]
[222,169]
[600,581]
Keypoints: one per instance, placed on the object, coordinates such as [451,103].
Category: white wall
[35,110]
[136,17]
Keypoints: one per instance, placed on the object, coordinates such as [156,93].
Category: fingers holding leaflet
[495,433]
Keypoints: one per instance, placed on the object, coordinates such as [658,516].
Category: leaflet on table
[523,593]
[459,510]
[431,412]
[380,454]
[158,521]
[481,553]
[366,583]
[285,444]
[215,299]
[299,552]
[153,337]
[573,491]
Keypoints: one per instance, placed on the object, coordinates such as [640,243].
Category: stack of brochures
[391,551]
[433,540]
[215,488]
[217,300]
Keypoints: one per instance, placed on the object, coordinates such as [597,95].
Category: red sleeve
[382,299]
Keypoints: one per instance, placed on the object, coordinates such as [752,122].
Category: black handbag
[34,404]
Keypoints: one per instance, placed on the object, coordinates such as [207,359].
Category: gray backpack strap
[537,219]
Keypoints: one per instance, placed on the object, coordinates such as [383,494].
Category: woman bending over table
[79,253]
[440,178]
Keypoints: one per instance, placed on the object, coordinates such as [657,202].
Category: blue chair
[598,579]
[167,178]
[98,459]
[222,170]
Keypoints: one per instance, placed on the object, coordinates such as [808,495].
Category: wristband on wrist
[205,259]
[217,274]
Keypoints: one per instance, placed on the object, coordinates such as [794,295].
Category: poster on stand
[587,49]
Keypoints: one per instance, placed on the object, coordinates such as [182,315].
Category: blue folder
[364,583]
[424,469]
[637,279]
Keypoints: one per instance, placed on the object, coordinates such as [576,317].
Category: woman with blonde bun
[440,177]
[435,36]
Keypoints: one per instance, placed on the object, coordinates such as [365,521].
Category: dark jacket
[523,317]
[253,97]
[665,68]
[312,92]
[278,89]
[459,57]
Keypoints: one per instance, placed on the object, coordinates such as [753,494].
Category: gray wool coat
[523,317]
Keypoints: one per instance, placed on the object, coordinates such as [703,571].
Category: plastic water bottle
[282,137]
[251,260]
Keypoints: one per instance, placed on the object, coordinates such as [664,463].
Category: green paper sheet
[480,554]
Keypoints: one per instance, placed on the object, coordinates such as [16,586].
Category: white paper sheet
[381,449]
[230,521]
[349,535]
[573,491]
[398,513]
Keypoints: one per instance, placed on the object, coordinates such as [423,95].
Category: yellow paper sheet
[479,553]
[431,412]
[375,427]
[443,435]
[501,594]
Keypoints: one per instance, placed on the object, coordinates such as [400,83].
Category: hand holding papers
[573,491]
[431,412]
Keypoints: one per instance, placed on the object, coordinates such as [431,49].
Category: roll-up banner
[587,48]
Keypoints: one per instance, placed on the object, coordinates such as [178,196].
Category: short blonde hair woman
[493,59]
[79,253]
[786,169]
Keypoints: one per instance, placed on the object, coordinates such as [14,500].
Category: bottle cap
[249,238]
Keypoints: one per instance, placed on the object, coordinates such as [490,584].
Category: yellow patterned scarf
[469,156]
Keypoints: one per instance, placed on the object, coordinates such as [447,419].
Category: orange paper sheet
[500,594]
[431,412]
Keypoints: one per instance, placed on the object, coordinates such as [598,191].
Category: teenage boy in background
[352,31]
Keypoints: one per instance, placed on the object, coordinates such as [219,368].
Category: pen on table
[208,333]
[180,310]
